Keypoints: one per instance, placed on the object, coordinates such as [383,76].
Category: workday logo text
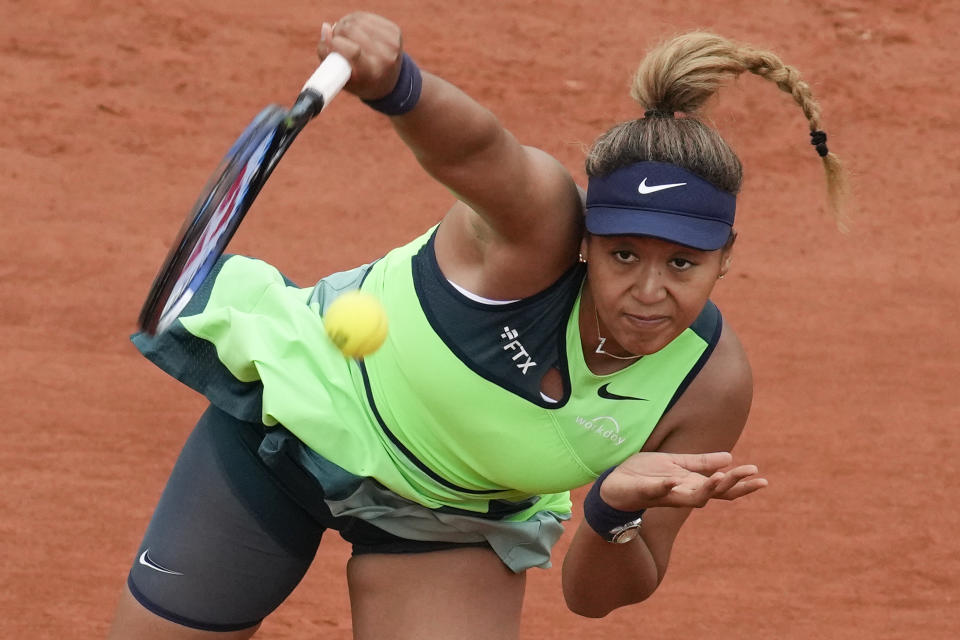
[604,426]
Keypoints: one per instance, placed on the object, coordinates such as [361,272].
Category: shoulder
[713,410]
[517,241]
[727,372]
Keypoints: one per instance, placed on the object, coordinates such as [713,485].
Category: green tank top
[417,416]
[474,435]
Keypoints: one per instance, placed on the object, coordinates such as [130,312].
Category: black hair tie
[819,140]
[657,113]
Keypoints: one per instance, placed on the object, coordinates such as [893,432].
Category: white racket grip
[329,77]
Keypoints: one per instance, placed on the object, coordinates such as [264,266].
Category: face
[648,291]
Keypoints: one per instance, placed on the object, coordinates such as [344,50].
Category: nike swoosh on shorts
[147,562]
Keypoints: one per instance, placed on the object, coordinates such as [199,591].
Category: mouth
[646,321]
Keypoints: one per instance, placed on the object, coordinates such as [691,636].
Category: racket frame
[270,133]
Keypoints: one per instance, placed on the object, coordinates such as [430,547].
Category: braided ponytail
[769,66]
[677,78]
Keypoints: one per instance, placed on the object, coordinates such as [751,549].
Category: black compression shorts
[232,537]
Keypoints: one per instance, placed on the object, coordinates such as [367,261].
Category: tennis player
[533,349]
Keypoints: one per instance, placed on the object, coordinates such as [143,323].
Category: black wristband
[601,517]
[405,93]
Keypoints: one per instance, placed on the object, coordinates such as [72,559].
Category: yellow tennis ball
[356,323]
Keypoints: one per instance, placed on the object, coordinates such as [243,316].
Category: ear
[726,254]
[583,248]
[725,263]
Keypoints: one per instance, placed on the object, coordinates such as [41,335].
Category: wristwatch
[625,532]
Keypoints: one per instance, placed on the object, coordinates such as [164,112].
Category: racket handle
[329,77]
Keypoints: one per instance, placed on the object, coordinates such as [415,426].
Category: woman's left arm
[599,576]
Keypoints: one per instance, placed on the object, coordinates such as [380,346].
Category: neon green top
[414,415]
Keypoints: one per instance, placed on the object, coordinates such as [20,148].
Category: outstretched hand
[657,479]
[373,46]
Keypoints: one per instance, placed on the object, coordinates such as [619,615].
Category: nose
[650,285]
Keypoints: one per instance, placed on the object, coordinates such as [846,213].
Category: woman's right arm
[523,211]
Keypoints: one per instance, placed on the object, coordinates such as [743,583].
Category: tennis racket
[230,192]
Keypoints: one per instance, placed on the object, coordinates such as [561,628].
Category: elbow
[598,603]
[587,609]
[598,578]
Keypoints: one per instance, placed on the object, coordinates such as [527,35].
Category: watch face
[626,535]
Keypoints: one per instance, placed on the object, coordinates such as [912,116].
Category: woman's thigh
[226,544]
[458,593]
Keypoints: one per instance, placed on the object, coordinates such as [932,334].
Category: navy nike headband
[663,201]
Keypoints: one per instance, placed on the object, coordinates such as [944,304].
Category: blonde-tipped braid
[767,65]
[679,76]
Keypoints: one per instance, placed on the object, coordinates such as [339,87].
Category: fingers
[695,491]
[373,46]
[326,33]
[742,488]
[723,485]
[330,42]
[735,475]
[375,28]
[705,463]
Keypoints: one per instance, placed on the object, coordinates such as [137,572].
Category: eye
[624,255]
[682,264]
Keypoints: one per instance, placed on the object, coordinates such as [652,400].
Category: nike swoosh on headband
[645,190]
[609,395]
[147,562]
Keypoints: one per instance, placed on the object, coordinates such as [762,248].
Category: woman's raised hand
[373,46]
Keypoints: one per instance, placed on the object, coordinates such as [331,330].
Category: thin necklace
[603,340]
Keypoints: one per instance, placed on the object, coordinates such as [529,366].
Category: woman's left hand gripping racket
[230,192]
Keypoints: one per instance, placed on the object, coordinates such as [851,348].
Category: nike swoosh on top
[645,190]
[609,395]
[147,562]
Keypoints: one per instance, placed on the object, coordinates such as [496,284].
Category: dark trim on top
[406,452]
[505,383]
[709,315]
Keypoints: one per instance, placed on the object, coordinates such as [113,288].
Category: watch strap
[600,516]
